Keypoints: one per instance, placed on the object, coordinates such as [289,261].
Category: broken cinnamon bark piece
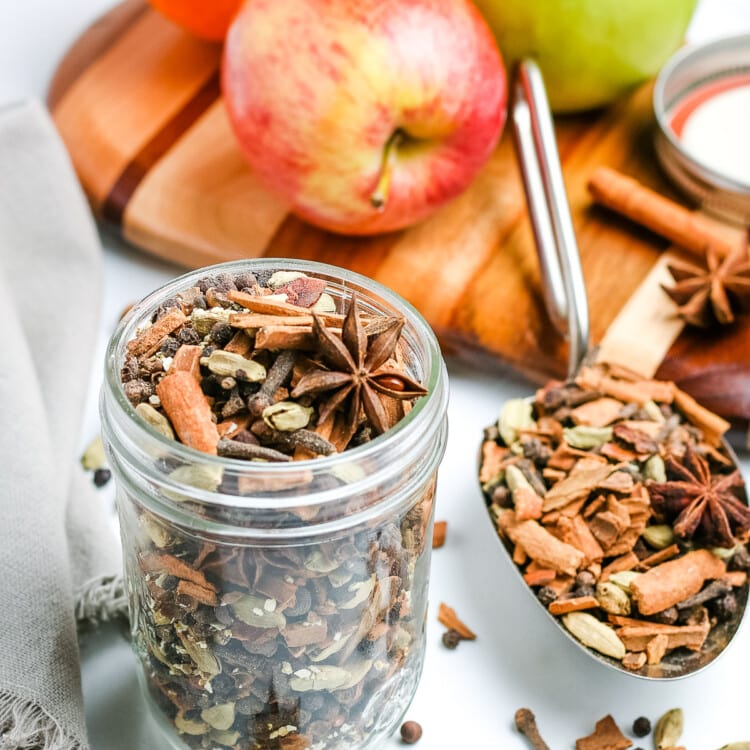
[439,531]
[659,557]
[587,475]
[149,340]
[634,661]
[627,561]
[188,358]
[637,638]
[169,565]
[671,582]
[493,458]
[606,736]
[447,616]
[546,549]
[656,648]
[574,604]
[202,594]
[597,413]
[539,577]
[640,391]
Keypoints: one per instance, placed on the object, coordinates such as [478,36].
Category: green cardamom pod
[594,634]
[612,598]
[655,469]
[669,729]
[585,438]
[658,536]
[220,716]
[156,419]
[515,478]
[287,416]
[94,457]
[516,415]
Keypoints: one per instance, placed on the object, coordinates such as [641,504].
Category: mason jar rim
[426,416]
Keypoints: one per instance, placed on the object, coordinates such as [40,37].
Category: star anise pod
[710,294]
[699,502]
[352,371]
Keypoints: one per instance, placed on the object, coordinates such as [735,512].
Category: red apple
[366,115]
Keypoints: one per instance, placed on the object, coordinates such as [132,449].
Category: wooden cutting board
[138,103]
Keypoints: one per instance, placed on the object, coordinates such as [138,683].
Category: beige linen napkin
[56,548]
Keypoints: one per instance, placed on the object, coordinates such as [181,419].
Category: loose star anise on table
[699,502]
[351,369]
[711,294]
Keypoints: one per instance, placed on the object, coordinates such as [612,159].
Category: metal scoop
[565,299]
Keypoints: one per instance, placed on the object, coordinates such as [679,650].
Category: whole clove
[279,371]
[526,724]
[249,451]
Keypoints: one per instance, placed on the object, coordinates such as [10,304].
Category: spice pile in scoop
[623,510]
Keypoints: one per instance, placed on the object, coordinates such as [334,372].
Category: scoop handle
[560,263]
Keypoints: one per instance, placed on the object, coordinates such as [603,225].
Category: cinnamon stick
[188,359]
[188,410]
[240,344]
[260,320]
[667,218]
[266,306]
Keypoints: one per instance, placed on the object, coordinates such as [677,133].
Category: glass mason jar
[279,605]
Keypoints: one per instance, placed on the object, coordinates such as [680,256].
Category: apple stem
[379,196]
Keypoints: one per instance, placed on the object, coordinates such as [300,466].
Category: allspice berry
[411,732]
[451,638]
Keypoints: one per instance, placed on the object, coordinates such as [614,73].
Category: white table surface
[467,697]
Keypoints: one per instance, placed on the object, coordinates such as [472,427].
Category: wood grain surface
[138,103]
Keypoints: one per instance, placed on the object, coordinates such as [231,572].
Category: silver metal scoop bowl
[565,299]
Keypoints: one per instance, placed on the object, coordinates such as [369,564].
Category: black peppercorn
[585,578]
[584,591]
[102,476]
[411,732]
[221,334]
[546,595]
[641,726]
[188,336]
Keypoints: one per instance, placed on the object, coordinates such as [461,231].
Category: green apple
[590,51]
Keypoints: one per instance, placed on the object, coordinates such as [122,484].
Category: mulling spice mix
[314,644]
